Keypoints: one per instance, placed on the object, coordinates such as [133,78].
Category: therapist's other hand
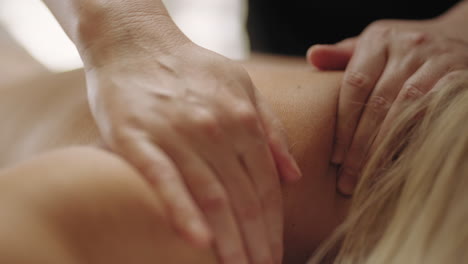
[390,64]
[193,124]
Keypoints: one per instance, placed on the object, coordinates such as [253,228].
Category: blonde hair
[411,205]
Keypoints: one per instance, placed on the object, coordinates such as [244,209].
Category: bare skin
[391,63]
[192,116]
[178,98]
[52,113]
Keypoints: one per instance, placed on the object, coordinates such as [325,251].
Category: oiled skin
[51,112]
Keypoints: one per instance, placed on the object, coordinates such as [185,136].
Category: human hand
[193,124]
[389,65]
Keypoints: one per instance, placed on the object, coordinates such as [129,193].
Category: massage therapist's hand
[189,120]
[390,64]
[193,124]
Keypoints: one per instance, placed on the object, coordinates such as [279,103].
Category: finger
[246,130]
[414,88]
[395,74]
[162,174]
[248,208]
[207,190]
[277,141]
[268,190]
[260,165]
[249,211]
[359,79]
[332,57]
[239,183]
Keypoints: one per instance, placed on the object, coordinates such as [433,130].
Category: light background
[218,25]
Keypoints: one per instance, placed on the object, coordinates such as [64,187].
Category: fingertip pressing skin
[396,62]
[346,183]
[361,75]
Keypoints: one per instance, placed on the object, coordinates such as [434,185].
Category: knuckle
[213,202]
[357,80]
[418,38]
[411,92]
[207,122]
[380,28]
[378,105]
[246,115]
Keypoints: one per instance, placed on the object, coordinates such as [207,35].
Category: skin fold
[50,114]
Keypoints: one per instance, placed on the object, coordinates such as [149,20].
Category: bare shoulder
[97,207]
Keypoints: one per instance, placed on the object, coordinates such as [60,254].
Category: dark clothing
[290,27]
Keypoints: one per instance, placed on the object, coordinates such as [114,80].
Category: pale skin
[390,64]
[178,97]
[62,200]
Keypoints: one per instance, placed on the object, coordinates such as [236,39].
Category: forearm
[103,29]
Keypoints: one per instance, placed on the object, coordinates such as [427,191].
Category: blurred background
[218,25]
[271,26]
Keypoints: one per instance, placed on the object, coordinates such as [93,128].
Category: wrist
[453,22]
[106,33]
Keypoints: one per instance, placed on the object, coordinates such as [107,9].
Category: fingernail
[347,182]
[294,173]
[338,156]
[288,166]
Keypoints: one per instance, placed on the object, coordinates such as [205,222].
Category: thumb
[332,57]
